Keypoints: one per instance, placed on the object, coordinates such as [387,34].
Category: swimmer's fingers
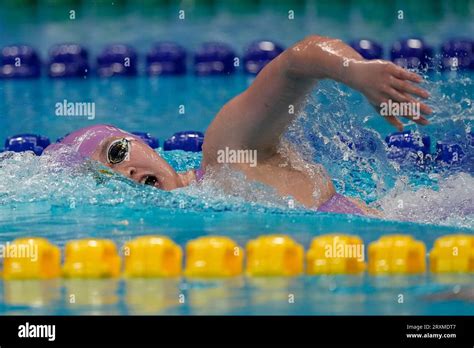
[424,109]
[405,98]
[406,87]
[403,74]
[394,122]
[413,104]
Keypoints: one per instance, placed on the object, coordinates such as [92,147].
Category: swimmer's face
[137,161]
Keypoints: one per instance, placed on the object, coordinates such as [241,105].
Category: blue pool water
[39,199]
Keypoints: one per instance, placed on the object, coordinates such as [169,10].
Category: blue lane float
[258,54]
[407,144]
[449,152]
[27,142]
[214,58]
[148,139]
[186,141]
[367,48]
[117,60]
[457,54]
[166,58]
[19,61]
[412,53]
[470,138]
[68,60]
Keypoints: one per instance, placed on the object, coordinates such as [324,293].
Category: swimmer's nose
[131,172]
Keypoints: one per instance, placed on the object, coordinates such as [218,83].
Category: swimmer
[256,119]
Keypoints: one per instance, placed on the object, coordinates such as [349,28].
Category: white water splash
[451,204]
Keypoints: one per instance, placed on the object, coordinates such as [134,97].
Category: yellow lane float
[152,256]
[217,256]
[453,254]
[91,258]
[212,256]
[397,254]
[274,255]
[335,254]
[31,258]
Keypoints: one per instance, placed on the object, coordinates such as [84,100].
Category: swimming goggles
[118,151]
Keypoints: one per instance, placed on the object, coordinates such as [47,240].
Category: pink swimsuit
[340,204]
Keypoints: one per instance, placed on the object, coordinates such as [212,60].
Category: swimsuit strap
[199,174]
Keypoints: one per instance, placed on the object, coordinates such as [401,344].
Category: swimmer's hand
[381,81]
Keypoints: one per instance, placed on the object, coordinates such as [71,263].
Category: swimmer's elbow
[301,60]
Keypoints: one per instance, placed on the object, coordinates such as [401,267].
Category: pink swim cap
[86,140]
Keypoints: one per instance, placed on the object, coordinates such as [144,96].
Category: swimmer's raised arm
[256,118]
